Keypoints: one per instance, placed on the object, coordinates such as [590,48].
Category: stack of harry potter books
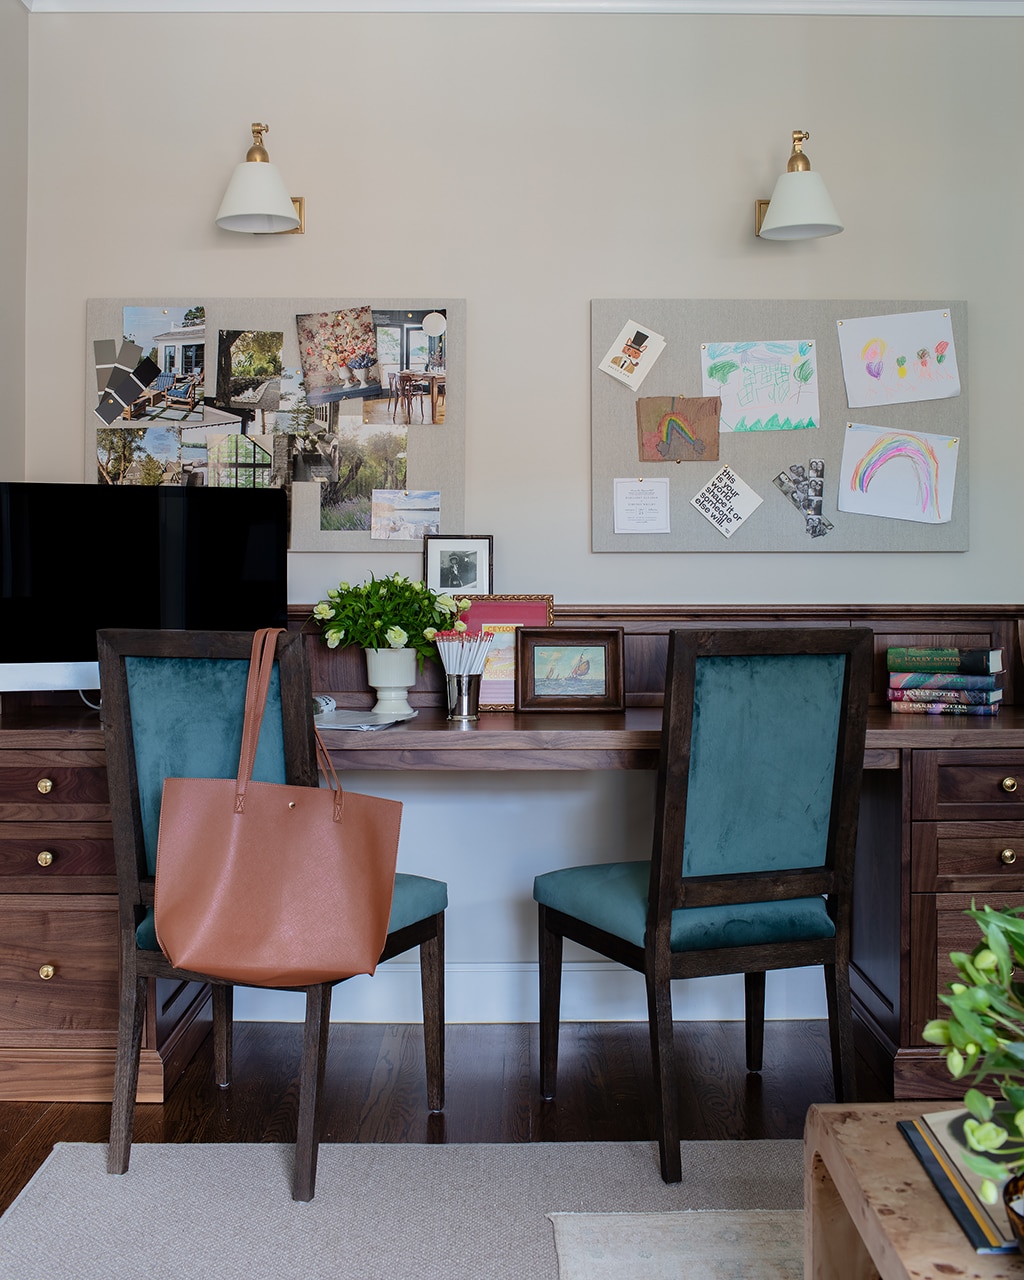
[945,681]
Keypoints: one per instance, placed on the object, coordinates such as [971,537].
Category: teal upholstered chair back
[762,747]
[173,703]
[186,718]
[762,762]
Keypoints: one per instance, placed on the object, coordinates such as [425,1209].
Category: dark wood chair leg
[550,960]
[659,1012]
[432,988]
[223,1032]
[753,993]
[840,1029]
[131,1017]
[311,1081]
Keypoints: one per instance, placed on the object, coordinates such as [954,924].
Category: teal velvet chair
[758,789]
[172,706]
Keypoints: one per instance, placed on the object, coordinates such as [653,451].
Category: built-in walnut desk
[942,819]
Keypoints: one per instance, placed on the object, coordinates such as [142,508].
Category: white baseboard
[592,991]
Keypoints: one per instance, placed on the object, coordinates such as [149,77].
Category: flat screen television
[78,557]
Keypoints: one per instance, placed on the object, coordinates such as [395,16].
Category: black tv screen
[78,557]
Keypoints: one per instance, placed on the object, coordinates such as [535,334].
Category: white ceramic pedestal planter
[392,672]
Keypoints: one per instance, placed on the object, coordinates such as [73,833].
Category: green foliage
[351,515]
[982,1040]
[393,612]
[256,354]
[116,450]
[302,416]
[151,471]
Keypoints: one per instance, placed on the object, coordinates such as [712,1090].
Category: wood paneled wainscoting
[942,820]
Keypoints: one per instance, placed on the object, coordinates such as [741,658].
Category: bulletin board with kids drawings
[779,425]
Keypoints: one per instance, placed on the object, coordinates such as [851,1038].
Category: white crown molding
[841,8]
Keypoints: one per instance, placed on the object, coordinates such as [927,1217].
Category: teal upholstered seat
[613,897]
[173,706]
[416,897]
[755,827]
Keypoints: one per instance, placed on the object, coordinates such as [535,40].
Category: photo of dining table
[411,382]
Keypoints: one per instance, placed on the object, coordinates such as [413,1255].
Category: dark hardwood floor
[375,1090]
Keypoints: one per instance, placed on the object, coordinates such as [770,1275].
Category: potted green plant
[982,1041]
[394,619]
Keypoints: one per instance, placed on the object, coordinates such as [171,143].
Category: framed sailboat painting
[566,669]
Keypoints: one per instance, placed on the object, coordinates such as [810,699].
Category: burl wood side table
[870,1209]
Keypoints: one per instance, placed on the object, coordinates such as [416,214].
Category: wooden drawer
[54,785]
[57,857]
[77,936]
[967,857]
[938,926]
[956,785]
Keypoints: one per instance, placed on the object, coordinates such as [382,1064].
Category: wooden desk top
[503,740]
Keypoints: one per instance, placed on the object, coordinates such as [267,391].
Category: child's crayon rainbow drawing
[896,445]
[674,422]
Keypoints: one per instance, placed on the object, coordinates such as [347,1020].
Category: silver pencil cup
[464,697]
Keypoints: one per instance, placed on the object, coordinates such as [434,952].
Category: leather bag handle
[261,665]
[326,764]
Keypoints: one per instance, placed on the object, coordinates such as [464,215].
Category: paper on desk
[364,720]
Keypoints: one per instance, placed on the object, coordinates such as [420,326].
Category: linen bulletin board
[434,455]
[889,475]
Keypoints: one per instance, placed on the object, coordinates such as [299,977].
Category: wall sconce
[257,200]
[800,207]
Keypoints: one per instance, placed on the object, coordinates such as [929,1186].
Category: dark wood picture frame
[568,669]
[441,569]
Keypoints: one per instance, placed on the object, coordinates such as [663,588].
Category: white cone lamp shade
[257,200]
[800,207]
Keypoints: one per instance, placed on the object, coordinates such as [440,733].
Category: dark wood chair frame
[669,891]
[136,896]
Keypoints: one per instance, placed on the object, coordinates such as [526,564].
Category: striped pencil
[462,653]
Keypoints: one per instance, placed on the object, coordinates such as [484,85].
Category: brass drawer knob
[1009,784]
[45,785]
[46,972]
[45,858]
[1008,857]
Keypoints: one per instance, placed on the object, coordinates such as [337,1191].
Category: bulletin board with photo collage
[355,406]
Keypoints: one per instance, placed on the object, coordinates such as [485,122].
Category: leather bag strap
[326,765]
[261,665]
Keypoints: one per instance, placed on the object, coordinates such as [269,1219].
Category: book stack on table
[945,681]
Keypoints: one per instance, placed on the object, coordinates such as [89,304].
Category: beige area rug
[381,1212]
[741,1244]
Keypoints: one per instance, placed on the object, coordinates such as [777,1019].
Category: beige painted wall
[14,21]
[528,164]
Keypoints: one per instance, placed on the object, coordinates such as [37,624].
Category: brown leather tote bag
[271,885]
